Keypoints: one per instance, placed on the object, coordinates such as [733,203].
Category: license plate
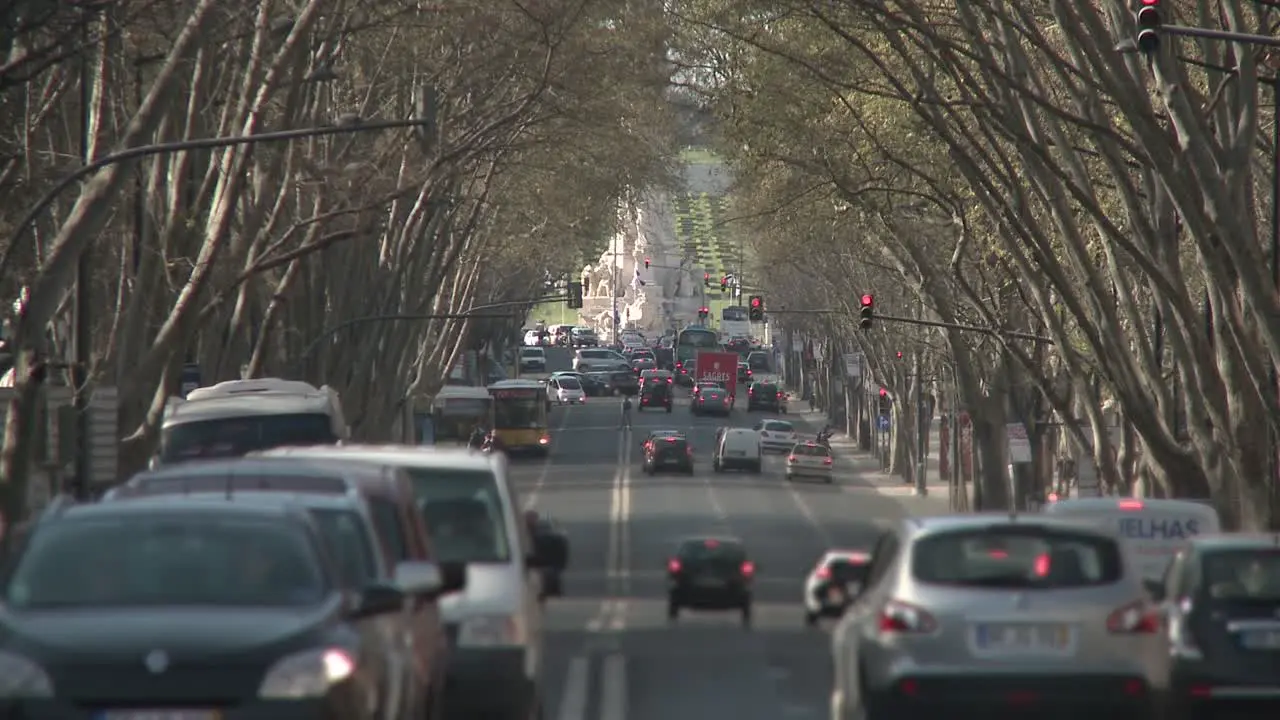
[709,583]
[1023,638]
[159,715]
[1261,640]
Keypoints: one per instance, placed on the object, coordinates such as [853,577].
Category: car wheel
[673,610]
[788,477]
[746,615]
[688,470]
[756,469]
[668,408]
[715,466]
[810,619]
[640,409]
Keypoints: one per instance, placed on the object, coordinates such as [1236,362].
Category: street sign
[1019,443]
[853,365]
[884,423]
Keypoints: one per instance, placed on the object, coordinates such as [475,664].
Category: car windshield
[159,560]
[779,426]
[569,383]
[464,514]
[1016,557]
[348,543]
[1249,575]
[532,352]
[763,389]
[845,570]
[236,436]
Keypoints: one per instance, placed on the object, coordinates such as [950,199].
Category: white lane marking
[602,619]
[573,701]
[531,499]
[622,569]
[613,688]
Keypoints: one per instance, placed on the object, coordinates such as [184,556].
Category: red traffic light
[884,393]
[868,301]
[706,276]
[755,302]
[899,354]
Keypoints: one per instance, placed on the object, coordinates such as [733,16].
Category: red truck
[720,367]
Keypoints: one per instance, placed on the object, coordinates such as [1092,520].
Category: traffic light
[706,279]
[755,308]
[724,284]
[899,354]
[1148,20]
[868,313]
[574,299]
[646,263]
[703,313]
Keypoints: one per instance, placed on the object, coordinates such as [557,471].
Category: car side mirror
[1155,589]
[419,579]
[376,599]
[453,577]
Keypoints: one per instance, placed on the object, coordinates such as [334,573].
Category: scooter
[824,438]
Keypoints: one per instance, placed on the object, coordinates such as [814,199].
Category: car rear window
[767,389]
[570,383]
[1016,557]
[1248,575]
[678,443]
[814,450]
[846,570]
[779,426]
[695,551]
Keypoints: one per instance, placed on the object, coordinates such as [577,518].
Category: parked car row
[364,582]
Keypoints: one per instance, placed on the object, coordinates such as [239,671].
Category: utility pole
[917,401]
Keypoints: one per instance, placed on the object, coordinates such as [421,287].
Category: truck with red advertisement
[720,367]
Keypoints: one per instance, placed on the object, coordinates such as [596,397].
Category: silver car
[810,460]
[971,615]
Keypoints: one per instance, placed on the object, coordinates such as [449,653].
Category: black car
[656,393]
[765,396]
[710,573]
[672,452]
[744,374]
[624,382]
[224,609]
[1221,596]
[595,384]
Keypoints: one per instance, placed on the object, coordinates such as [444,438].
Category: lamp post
[82,331]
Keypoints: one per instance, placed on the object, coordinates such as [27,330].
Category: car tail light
[544,440]
[791,458]
[748,568]
[673,566]
[689,451]
[899,617]
[751,391]
[779,394]
[826,461]
[1130,504]
[1137,618]
[824,573]
[668,381]
[671,440]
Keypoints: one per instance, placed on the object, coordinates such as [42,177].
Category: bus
[735,322]
[520,410]
[692,339]
[455,411]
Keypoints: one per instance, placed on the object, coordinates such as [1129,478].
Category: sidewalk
[865,467]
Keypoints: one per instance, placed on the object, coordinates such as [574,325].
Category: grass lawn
[699,156]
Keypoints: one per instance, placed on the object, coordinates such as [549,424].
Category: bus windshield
[698,338]
[517,413]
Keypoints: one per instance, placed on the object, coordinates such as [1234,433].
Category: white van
[737,448]
[1153,530]
[496,664]
[237,417]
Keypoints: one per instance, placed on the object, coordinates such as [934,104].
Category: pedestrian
[626,413]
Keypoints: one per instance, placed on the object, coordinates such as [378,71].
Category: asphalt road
[610,651]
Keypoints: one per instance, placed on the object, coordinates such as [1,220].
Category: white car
[833,583]
[566,390]
[598,359]
[533,358]
[811,460]
[778,435]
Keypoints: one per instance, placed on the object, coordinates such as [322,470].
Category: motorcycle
[824,438]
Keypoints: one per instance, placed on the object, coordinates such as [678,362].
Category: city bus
[735,322]
[455,411]
[520,410]
[692,339]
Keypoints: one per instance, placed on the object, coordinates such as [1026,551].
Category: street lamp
[344,125]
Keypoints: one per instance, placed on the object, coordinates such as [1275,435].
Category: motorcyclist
[477,438]
[492,442]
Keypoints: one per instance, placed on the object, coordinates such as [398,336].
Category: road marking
[613,688]
[609,617]
[531,499]
[807,512]
[573,701]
